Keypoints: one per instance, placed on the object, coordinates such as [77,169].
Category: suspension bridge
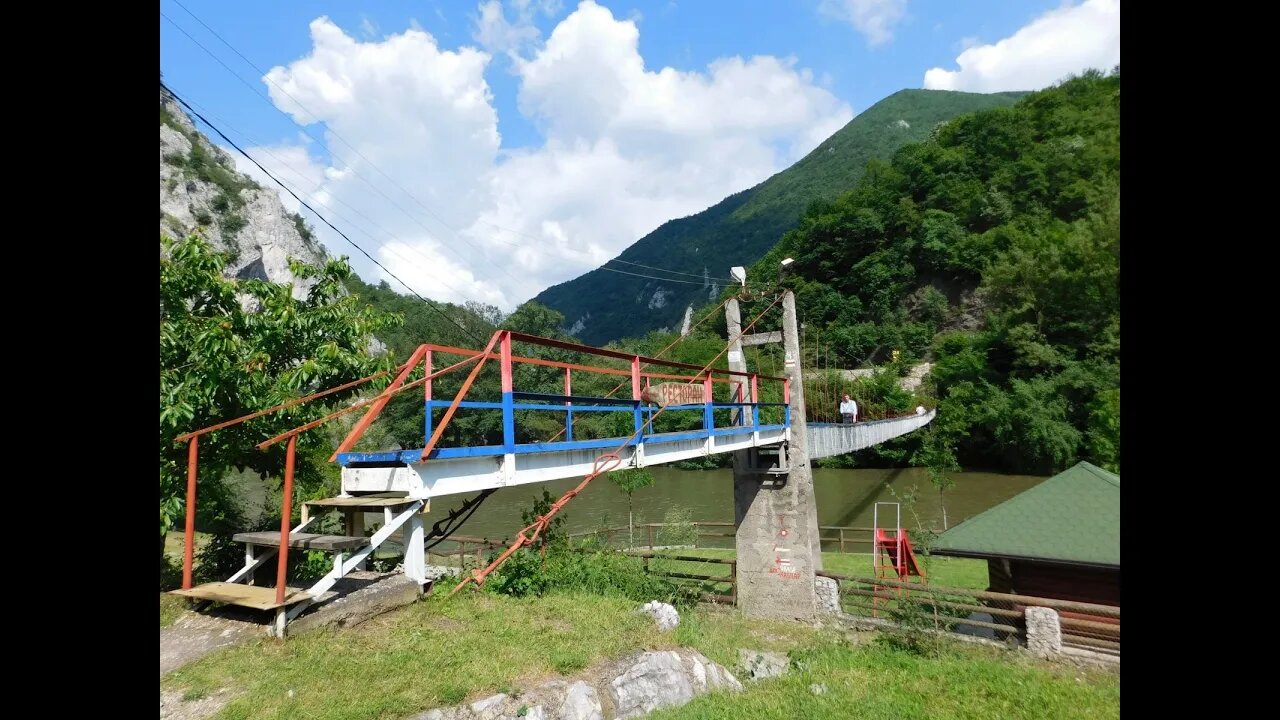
[718,410]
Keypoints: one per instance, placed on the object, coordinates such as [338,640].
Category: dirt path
[195,635]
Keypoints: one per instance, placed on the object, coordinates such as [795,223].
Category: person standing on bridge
[848,410]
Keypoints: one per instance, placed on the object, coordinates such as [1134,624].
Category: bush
[218,559]
[678,528]
[232,225]
[170,574]
[527,573]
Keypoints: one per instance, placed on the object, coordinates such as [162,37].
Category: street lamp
[784,268]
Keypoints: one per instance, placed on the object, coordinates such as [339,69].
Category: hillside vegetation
[994,249]
[601,306]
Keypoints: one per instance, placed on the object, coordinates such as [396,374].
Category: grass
[430,654]
[442,652]
[874,681]
[172,607]
[173,542]
[941,571]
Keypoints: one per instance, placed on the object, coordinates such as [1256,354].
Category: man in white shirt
[849,410]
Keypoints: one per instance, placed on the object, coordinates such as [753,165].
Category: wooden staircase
[350,551]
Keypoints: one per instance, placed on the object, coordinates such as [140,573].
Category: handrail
[604,463]
[523,360]
[283,405]
[462,391]
[618,354]
[361,403]
[188,550]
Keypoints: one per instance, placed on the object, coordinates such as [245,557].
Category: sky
[485,150]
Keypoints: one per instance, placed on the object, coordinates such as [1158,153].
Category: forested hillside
[992,248]
[602,305]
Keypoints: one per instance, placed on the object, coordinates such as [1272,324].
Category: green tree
[629,481]
[231,347]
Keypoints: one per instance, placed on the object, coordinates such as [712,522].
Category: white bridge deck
[453,475]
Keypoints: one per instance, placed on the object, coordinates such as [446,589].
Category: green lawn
[432,653]
[876,682]
[172,607]
[442,652]
[941,571]
[175,541]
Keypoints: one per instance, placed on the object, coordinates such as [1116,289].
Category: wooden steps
[388,502]
[303,541]
[376,501]
[250,596]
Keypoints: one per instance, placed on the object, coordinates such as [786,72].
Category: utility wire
[454,231]
[325,220]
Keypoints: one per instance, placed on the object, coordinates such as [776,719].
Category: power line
[363,179]
[304,203]
[454,231]
[624,272]
[677,272]
[330,208]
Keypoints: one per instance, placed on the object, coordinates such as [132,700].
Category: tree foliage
[231,347]
[992,248]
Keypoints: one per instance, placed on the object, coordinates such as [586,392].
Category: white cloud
[496,34]
[873,18]
[292,164]
[1060,42]
[624,148]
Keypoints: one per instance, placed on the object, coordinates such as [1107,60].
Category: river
[845,498]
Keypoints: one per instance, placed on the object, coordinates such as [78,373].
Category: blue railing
[513,402]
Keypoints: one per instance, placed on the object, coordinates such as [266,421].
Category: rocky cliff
[201,191]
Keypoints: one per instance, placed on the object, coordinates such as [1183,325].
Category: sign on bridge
[665,394]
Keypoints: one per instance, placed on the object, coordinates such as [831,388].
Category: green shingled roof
[1071,517]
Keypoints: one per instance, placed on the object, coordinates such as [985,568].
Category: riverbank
[441,652]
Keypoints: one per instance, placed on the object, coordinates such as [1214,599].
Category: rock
[818,689]
[706,675]
[641,684]
[828,594]
[383,595]
[252,224]
[657,679]
[760,664]
[663,614]
[581,703]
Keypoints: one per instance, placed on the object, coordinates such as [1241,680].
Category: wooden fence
[1000,615]
[834,538]
[992,615]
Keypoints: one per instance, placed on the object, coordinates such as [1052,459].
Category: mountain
[601,306]
[201,190]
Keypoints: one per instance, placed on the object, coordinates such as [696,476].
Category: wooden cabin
[1060,540]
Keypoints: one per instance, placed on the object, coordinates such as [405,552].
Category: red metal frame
[378,404]
[462,391]
[286,514]
[607,461]
[193,437]
[188,543]
[425,352]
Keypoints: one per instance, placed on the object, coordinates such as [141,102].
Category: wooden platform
[250,596]
[303,541]
[377,500]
